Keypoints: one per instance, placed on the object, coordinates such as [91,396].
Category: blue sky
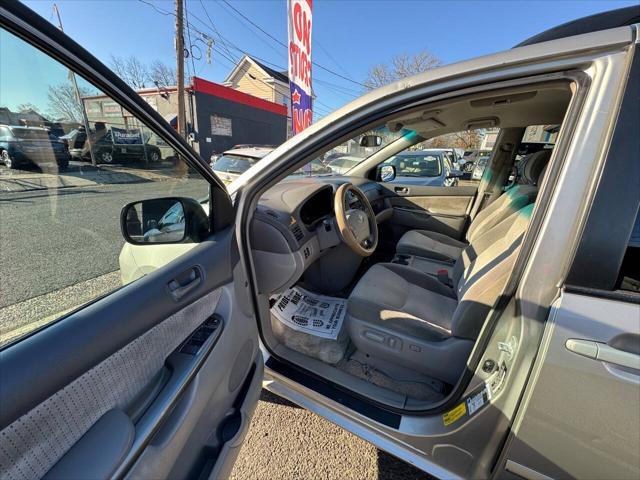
[349,37]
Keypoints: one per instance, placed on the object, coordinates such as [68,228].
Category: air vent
[297,232]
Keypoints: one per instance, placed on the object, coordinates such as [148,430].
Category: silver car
[232,163]
[475,331]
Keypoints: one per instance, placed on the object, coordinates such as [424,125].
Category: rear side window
[416,165]
[629,278]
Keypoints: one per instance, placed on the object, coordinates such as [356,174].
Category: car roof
[24,127]
[253,152]
[600,21]
[421,152]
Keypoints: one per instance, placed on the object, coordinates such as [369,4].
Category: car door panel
[440,209]
[565,439]
[126,353]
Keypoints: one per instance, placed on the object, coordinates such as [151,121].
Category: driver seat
[412,319]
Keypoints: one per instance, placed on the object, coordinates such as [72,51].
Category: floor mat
[310,323]
[418,387]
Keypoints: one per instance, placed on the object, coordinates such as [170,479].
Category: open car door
[157,378]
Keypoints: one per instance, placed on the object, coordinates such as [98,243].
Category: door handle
[185,283]
[402,190]
[603,352]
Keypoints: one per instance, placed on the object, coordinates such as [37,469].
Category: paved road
[50,239]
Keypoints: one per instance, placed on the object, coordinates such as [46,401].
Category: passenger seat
[409,318]
[436,246]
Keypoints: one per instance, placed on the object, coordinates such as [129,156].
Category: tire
[154,156]
[7,160]
[106,156]
[468,167]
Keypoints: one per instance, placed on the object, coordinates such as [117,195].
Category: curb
[30,182]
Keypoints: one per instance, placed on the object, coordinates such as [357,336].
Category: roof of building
[282,76]
[270,72]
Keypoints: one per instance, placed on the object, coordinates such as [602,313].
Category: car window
[416,165]
[61,246]
[629,277]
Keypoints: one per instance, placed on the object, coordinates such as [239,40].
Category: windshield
[345,162]
[353,152]
[233,163]
[416,165]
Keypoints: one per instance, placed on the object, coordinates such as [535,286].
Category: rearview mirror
[387,173]
[163,220]
[370,141]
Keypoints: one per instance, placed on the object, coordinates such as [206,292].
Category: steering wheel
[356,220]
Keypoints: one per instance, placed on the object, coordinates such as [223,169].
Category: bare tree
[131,70]
[401,66]
[466,139]
[27,107]
[162,75]
[64,104]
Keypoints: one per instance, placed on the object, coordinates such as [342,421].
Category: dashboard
[317,208]
[294,225]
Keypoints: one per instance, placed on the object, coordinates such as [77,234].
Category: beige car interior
[413,318]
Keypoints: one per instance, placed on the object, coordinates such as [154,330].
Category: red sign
[299,12]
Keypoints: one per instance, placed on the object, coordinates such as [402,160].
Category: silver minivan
[489,330]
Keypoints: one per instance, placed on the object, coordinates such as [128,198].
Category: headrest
[532,167]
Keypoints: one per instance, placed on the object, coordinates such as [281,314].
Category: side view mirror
[370,141]
[454,174]
[387,173]
[164,220]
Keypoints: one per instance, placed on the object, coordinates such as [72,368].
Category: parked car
[480,164]
[29,146]
[342,165]
[430,167]
[499,338]
[232,163]
[112,145]
[468,161]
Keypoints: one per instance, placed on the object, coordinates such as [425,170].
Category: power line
[233,61]
[254,24]
[255,34]
[225,42]
[285,45]
[186,18]
[214,27]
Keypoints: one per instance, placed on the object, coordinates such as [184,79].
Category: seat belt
[503,153]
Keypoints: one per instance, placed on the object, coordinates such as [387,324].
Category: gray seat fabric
[427,244]
[425,315]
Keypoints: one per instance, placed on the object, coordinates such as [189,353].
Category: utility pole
[72,77]
[182,127]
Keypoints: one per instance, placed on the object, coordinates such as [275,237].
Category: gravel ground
[288,442]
